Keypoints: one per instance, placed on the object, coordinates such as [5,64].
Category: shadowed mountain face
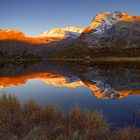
[104,81]
[110,33]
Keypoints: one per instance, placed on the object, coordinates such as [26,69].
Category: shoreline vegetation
[85,59]
[31,121]
[100,59]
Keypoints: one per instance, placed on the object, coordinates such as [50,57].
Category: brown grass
[129,133]
[34,122]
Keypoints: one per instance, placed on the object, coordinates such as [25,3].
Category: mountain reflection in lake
[113,89]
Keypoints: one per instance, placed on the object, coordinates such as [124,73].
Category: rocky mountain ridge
[107,29]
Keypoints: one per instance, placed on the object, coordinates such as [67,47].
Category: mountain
[15,44]
[11,34]
[71,31]
[110,34]
[105,21]
[113,29]
[15,35]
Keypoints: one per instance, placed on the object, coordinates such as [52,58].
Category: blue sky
[35,16]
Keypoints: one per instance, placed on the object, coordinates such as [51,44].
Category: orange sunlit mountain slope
[19,36]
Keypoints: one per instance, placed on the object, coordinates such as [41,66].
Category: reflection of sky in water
[120,112]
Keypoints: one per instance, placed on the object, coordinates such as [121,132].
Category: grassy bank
[34,122]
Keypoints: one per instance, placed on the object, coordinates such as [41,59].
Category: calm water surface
[113,89]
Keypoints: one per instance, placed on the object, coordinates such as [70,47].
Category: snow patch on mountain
[72,32]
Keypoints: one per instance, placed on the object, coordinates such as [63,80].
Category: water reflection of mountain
[105,81]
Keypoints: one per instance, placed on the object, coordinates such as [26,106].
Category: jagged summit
[105,21]
[109,15]
[109,28]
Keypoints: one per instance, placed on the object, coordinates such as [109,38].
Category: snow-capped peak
[105,21]
[71,31]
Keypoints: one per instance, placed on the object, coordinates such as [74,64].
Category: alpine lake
[112,88]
